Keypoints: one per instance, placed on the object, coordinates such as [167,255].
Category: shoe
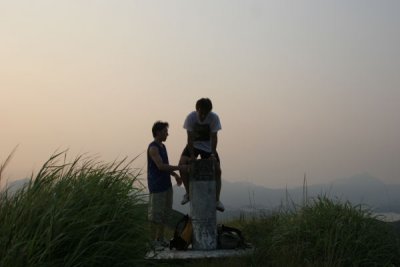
[157,245]
[185,199]
[220,206]
[163,243]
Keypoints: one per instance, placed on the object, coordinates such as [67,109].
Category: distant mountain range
[243,198]
[246,198]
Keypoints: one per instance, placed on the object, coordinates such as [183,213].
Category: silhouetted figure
[202,128]
[159,183]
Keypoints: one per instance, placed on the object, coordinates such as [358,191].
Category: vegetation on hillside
[324,233]
[83,213]
[88,213]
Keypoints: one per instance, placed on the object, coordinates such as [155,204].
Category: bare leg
[156,231]
[184,174]
[218,179]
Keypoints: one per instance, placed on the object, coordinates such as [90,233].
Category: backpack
[229,237]
[183,234]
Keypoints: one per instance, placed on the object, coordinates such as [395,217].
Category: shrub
[324,233]
[84,213]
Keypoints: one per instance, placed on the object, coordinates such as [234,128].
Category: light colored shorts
[160,206]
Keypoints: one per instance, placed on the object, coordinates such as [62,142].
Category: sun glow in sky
[300,86]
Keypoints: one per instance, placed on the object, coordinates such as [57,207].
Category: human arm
[190,140]
[155,156]
[215,126]
[214,143]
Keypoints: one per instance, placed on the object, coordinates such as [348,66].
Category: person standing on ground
[202,128]
[159,183]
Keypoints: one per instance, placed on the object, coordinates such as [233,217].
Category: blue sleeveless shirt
[157,181]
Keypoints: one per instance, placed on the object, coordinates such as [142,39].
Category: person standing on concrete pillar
[159,183]
[202,128]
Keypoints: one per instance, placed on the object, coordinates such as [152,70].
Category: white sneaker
[163,242]
[220,206]
[185,199]
[157,245]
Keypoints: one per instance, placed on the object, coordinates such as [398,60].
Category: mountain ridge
[361,189]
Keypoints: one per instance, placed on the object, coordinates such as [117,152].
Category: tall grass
[83,213]
[4,164]
[323,233]
[89,213]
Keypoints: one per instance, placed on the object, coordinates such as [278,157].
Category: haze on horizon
[300,87]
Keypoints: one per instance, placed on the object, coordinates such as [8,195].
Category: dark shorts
[197,152]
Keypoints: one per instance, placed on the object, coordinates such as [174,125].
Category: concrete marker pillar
[202,193]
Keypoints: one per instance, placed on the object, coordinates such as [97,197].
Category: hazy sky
[300,86]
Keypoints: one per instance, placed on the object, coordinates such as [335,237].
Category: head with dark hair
[203,107]
[159,126]
[204,104]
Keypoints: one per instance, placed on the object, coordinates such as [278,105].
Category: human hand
[178,179]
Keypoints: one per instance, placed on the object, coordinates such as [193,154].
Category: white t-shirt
[202,130]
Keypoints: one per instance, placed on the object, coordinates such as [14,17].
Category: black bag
[183,234]
[229,237]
